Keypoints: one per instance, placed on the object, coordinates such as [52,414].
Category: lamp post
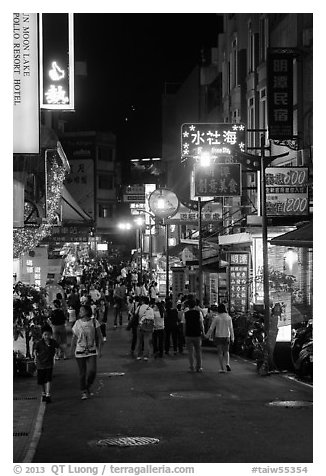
[164,203]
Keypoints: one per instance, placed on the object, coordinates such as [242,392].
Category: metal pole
[200,253]
[141,253]
[264,237]
[167,284]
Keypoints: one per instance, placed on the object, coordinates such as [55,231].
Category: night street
[203,418]
[163,201]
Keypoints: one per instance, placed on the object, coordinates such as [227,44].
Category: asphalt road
[197,418]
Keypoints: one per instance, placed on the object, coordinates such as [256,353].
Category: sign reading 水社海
[56,60]
[280,93]
[26,129]
[211,138]
[218,180]
[286,191]
[238,280]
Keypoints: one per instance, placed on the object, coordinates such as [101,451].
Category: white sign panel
[26,133]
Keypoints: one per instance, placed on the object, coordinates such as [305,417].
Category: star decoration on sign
[192,128]
[185,134]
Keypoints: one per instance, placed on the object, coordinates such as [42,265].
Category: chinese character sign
[213,139]
[280,93]
[56,61]
[238,281]
[218,180]
[286,191]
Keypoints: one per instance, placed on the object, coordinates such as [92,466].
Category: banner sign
[222,180]
[213,139]
[80,183]
[280,93]
[238,281]
[26,129]
[68,234]
[134,194]
[211,213]
[56,61]
[286,191]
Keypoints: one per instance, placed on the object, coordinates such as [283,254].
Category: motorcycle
[302,350]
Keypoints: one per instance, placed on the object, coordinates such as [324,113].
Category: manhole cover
[194,395]
[127,441]
[290,403]
[111,374]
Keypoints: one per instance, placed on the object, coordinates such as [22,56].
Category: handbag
[147,324]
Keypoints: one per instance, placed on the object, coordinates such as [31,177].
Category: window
[104,211]
[263,110]
[251,122]
[263,32]
[251,49]
[234,64]
[105,154]
[105,182]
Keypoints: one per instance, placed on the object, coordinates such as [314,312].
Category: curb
[36,434]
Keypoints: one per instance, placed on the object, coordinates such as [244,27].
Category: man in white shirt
[222,328]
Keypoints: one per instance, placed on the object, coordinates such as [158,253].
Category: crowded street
[163,255]
[199,417]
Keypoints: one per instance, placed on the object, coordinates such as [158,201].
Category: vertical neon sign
[56,61]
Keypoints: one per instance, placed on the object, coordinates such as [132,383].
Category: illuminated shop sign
[214,140]
[56,61]
[286,191]
[280,93]
[222,180]
[238,281]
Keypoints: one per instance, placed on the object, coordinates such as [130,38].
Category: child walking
[44,352]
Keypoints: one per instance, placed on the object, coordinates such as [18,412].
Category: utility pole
[200,253]
[264,162]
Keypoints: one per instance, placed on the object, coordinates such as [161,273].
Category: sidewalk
[155,399]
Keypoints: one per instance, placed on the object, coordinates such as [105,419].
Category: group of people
[156,327]
[155,322]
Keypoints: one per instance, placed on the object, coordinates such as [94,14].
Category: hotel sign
[280,93]
[286,191]
[56,61]
[213,139]
[26,131]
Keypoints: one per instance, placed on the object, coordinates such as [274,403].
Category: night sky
[129,58]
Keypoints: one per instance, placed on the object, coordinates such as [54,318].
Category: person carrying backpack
[145,328]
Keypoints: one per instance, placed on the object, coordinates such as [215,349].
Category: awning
[71,210]
[302,237]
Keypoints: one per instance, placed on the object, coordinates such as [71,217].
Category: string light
[26,239]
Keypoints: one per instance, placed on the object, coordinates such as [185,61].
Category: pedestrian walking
[58,321]
[222,330]
[133,324]
[119,296]
[87,346]
[158,332]
[193,330]
[44,352]
[170,328]
[102,316]
[145,328]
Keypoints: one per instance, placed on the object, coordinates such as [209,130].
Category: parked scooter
[302,350]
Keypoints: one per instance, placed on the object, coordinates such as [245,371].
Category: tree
[29,313]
